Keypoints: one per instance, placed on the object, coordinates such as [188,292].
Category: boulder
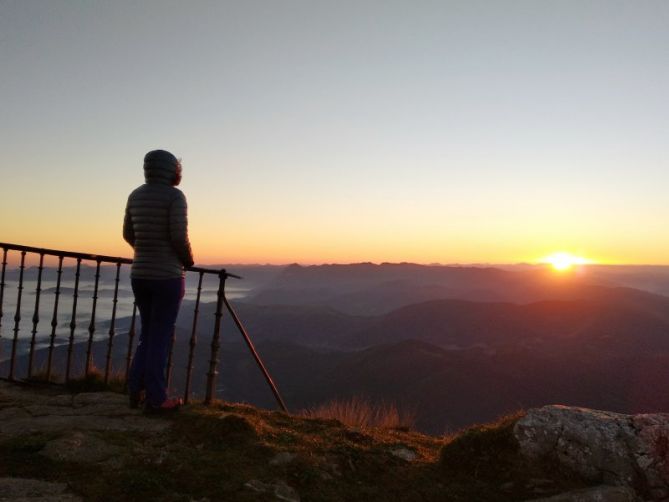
[603,447]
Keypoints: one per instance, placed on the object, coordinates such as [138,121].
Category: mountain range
[478,343]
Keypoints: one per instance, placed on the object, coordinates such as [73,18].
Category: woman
[156,226]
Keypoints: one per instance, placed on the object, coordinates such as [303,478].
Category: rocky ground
[61,446]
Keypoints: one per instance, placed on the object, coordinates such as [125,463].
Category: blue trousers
[158,302]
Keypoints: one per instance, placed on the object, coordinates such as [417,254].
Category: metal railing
[222,304]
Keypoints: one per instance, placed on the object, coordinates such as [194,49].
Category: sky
[334,132]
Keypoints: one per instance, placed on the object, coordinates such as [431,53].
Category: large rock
[603,447]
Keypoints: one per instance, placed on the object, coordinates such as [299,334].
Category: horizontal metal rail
[89,366]
[100,257]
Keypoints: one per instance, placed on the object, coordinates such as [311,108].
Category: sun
[564,261]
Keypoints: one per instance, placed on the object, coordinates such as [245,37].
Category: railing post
[73,321]
[38,292]
[112,325]
[215,341]
[91,326]
[2,287]
[54,320]
[17,316]
[193,340]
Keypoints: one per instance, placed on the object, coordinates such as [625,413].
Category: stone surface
[106,409]
[279,489]
[404,453]
[20,489]
[89,398]
[258,486]
[26,412]
[605,447]
[13,414]
[61,423]
[74,426]
[79,447]
[282,458]
[60,400]
[284,492]
[598,494]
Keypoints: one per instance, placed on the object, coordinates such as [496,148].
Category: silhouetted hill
[624,320]
[370,289]
[636,320]
[310,325]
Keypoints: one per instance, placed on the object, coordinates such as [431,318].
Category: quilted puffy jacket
[156,222]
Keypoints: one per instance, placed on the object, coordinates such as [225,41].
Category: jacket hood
[160,166]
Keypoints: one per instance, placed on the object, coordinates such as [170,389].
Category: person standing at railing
[156,226]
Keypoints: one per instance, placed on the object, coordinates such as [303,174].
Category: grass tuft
[360,412]
[40,376]
[483,448]
[95,381]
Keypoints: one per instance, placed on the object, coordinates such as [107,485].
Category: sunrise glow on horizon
[562,261]
[455,132]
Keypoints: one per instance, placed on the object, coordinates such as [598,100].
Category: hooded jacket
[156,222]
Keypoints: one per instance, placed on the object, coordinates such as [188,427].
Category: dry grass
[360,412]
[39,375]
[95,381]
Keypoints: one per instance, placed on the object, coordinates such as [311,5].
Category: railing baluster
[112,324]
[38,292]
[215,343]
[73,321]
[2,290]
[131,337]
[17,316]
[54,319]
[193,340]
[91,326]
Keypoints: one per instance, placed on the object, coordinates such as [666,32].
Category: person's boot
[170,405]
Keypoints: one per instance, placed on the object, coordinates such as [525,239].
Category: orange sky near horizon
[251,244]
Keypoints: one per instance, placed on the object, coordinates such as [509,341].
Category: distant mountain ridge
[590,314]
[368,289]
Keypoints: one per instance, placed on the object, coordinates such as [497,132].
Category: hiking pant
[158,301]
